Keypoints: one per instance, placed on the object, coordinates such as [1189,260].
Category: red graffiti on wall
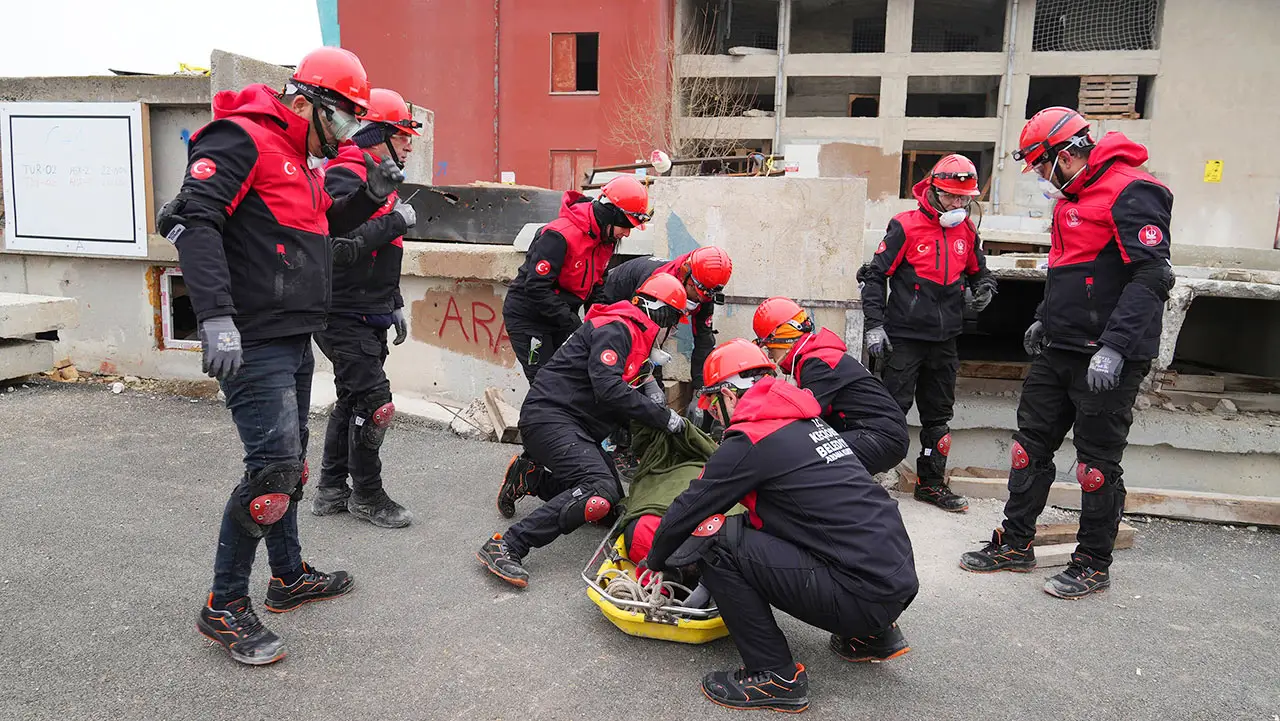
[466,320]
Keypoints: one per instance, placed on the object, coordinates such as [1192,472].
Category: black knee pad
[373,417]
[589,503]
[1025,468]
[263,497]
[935,446]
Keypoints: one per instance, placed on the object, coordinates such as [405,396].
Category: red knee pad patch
[709,527]
[306,472]
[1090,478]
[944,445]
[1020,458]
[382,417]
[268,508]
[597,508]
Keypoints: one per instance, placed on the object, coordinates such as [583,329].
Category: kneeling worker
[581,396]
[822,541]
[853,401]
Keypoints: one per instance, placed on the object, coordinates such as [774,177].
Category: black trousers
[878,449]
[534,344]
[750,575]
[925,372]
[351,444]
[1055,399]
[576,469]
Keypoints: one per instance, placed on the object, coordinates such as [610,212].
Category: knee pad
[935,442]
[586,504]
[597,509]
[373,426]
[1090,479]
[1024,468]
[264,496]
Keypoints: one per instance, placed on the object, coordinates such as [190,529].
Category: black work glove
[381,179]
[401,324]
[346,251]
[1033,339]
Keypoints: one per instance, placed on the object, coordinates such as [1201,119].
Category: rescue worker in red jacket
[581,396]
[1093,339]
[705,272]
[853,401]
[564,264]
[252,225]
[927,256]
[366,303]
[821,540]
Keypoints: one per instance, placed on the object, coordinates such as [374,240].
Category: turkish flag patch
[608,357]
[203,169]
[882,248]
[543,267]
[1150,235]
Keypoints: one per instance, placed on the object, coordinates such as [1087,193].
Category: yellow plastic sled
[639,617]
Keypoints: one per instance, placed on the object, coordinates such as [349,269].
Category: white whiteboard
[74,179]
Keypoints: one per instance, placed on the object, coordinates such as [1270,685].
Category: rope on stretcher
[656,592]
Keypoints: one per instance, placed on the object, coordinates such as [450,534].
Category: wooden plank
[1203,384]
[1058,554]
[979,472]
[148,185]
[1257,402]
[907,478]
[505,419]
[993,386]
[1000,370]
[1186,505]
[1048,534]
[1240,382]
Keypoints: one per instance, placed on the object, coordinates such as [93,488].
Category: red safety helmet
[388,106]
[664,289]
[725,366]
[709,268]
[955,174]
[1047,131]
[779,322]
[629,195]
[338,71]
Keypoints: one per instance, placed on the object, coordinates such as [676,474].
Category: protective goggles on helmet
[711,394]
[406,124]
[712,293]
[963,176]
[1021,154]
[637,219]
[786,334]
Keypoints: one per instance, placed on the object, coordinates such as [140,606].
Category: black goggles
[715,293]
[963,177]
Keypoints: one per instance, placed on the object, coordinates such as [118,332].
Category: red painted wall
[440,53]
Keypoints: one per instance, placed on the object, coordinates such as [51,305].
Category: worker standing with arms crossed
[366,303]
[252,226]
[923,263]
[1093,339]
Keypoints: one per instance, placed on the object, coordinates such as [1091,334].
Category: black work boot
[758,690]
[237,628]
[883,646]
[999,555]
[312,585]
[940,495]
[1078,581]
[515,484]
[496,557]
[379,510]
[329,501]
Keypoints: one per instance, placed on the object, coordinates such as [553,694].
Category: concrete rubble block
[1225,408]
[228,71]
[24,357]
[22,315]
[473,422]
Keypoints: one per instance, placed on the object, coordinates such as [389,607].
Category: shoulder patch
[543,267]
[608,357]
[881,248]
[203,169]
[1150,236]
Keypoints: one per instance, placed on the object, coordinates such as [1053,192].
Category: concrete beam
[897,26]
[22,315]
[745,128]
[880,64]
[1136,62]
[156,89]
[980,130]
[955,64]
[233,72]
[727,66]
[23,357]
[867,131]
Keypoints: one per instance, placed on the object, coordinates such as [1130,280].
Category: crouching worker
[821,540]
[581,396]
[853,401]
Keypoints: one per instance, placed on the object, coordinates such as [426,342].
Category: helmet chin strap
[330,150]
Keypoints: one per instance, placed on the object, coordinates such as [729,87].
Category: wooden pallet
[1109,96]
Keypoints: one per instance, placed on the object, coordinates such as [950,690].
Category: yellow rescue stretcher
[628,606]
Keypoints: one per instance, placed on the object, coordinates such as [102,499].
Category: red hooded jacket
[251,221]
[566,260]
[801,483]
[922,267]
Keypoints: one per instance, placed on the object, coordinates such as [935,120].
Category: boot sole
[502,511]
[312,599]
[874,659]
[760,707]
[240,658]
[943,508]
[1100,589]
[517,582]
[380,524]
[1011,569]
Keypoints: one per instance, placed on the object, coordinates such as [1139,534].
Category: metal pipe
[780,81]
[1008,101]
